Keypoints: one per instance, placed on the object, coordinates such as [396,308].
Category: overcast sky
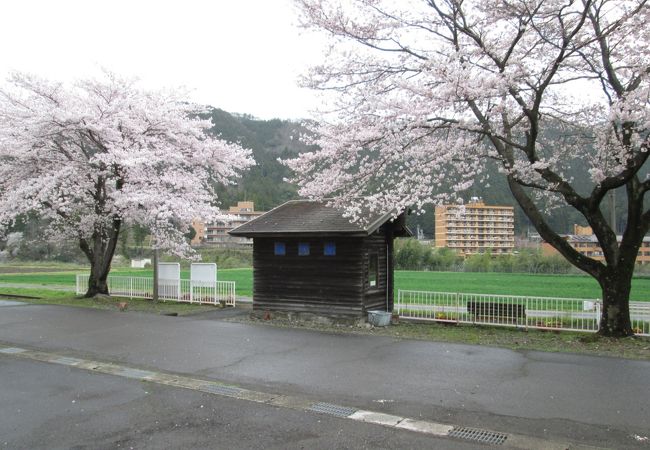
[243,56]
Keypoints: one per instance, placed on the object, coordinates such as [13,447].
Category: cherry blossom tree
[101,153]
[427,91]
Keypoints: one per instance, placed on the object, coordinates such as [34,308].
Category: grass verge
[47,297]
[43,295]
[521,340]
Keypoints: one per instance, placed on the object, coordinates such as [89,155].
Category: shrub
[411,254]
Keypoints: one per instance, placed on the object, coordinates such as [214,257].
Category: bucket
[379,318]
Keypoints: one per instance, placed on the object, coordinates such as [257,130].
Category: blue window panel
[303,249]
[280,249]
[329,249]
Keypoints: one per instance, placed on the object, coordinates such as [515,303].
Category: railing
[545,313]
[212,292]
[640,317]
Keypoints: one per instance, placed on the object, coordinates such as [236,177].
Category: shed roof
[308,217]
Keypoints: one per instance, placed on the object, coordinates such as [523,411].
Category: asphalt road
[44,406]
[593,400]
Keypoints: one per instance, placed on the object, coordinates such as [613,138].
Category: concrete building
[475,228]
[199,228]
[585,242]
[217,233]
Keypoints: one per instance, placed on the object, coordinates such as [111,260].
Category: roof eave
[252,221]
[255,234]
[379,222]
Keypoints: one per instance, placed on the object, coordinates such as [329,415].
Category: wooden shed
[308,258]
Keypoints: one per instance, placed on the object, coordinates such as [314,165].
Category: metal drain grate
[66,360]
[135,373]
[478,435]
[12,350]
[332,410]
[221,390]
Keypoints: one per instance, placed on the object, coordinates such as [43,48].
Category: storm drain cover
[135,373]
[478,435]
[66,360]
[10,350]
[332,410]
[221,390]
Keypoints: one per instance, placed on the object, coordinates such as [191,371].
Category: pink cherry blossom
[425,92]
[101,153]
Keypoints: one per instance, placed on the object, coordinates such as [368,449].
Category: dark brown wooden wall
[324,285]
[375,297]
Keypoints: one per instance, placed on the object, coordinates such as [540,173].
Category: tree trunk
[615,316]
[100,256]
[98,280]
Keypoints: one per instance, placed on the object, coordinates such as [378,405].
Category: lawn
[36,276]
[570,286]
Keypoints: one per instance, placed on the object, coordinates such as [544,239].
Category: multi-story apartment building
[585,242]
[217,233]
[475,228]
[199,228]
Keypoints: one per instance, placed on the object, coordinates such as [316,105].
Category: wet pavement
[594,400]
[51,407]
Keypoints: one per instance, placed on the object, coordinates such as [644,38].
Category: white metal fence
[514,311]
[212,292]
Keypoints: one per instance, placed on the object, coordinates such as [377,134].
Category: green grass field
[32,276]
[569,286]
[573,286]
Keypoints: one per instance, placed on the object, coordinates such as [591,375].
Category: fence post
[597,314]
[527,306]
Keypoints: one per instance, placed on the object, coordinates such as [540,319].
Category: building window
[280,249]
[329,249]
[373,267]
[303,249]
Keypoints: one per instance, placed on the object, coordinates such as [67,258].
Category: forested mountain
[272,139]
[269,140]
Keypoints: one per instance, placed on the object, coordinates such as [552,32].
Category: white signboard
[169,279]
[140,263]
[203,274]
